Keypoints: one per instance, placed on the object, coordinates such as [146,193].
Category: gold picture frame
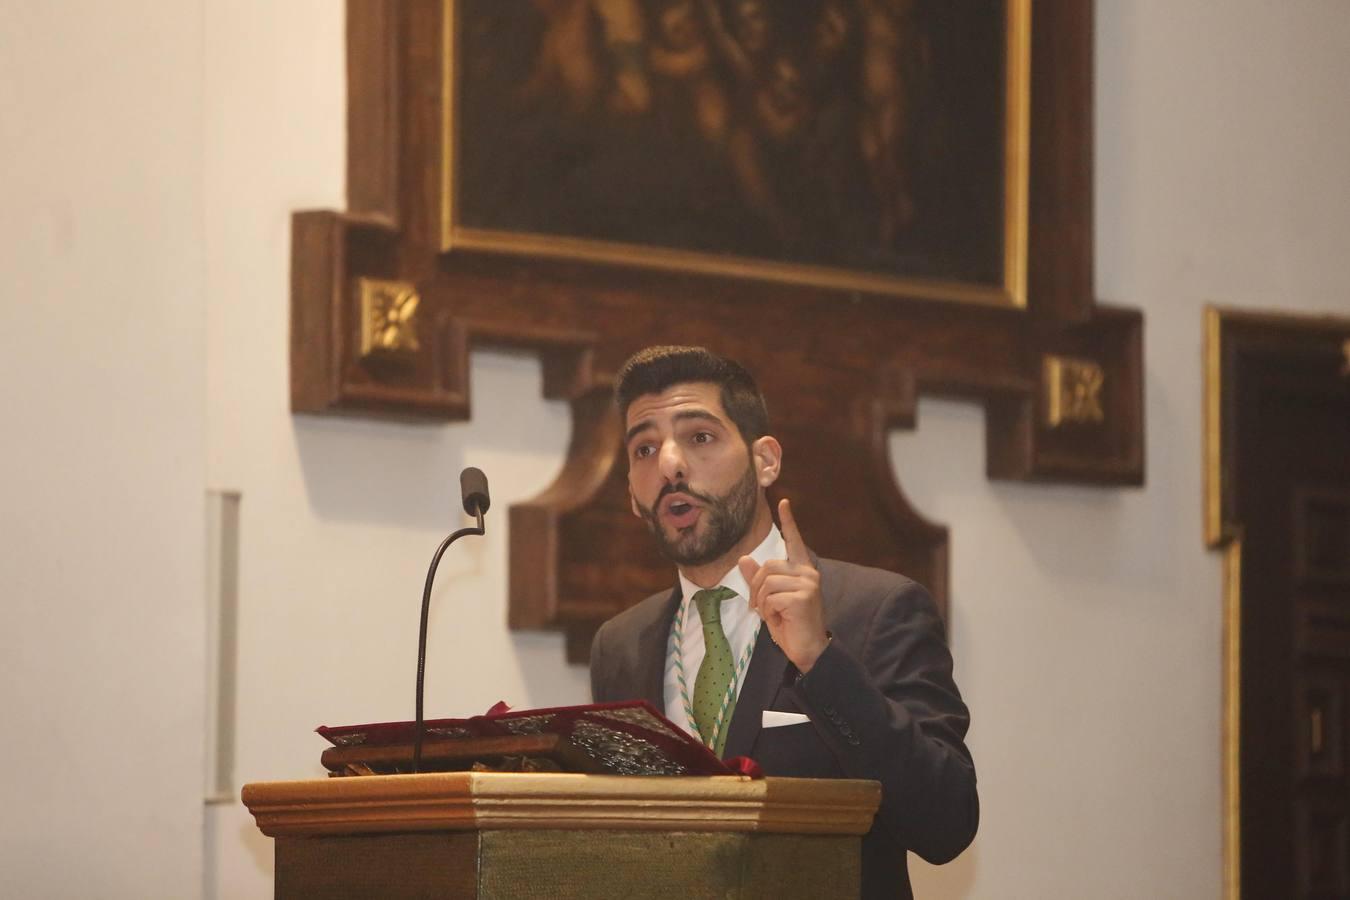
[1007,289]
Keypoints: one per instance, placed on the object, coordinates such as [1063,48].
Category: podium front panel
[547,865]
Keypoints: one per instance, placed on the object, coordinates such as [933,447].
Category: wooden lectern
[537,835]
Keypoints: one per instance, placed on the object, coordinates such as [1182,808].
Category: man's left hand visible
[786,594]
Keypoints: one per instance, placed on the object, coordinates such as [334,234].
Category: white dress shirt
[738,623]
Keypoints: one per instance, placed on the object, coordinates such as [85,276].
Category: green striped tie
[716,672]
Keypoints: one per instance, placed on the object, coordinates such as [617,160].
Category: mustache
[680,487]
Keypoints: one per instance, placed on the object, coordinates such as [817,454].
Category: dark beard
[728,519]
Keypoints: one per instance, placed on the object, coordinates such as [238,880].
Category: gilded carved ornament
[1073,391]
[388,318]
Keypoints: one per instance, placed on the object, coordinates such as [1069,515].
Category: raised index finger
[792,536]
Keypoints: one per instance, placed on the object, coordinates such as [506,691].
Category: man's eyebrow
[636,429]
[701,415]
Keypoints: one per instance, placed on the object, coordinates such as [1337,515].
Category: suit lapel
[762,681]
[653,642]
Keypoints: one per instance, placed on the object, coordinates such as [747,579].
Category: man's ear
[766,454]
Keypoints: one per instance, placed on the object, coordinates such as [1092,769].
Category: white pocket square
[775,719]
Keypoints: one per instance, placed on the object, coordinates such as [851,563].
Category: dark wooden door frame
[1230,336]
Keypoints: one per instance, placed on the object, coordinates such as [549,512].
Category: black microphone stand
[479,505]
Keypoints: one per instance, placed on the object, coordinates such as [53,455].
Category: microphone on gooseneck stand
[474,488]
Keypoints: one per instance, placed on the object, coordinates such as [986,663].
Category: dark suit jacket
[881,703]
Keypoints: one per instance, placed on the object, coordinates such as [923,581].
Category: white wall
[102,335]
[1085,622]
[340,517]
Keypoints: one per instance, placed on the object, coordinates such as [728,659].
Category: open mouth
[680,511]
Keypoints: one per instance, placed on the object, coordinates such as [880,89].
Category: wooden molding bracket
[841,368]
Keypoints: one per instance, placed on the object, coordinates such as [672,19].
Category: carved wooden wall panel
[383,321]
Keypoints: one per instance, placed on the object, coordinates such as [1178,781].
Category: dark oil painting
[861,135]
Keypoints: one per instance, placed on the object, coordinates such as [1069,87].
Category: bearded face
[724,521]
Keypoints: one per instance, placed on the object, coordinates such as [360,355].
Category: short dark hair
[654,369]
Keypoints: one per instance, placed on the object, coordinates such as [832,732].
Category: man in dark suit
[813,667]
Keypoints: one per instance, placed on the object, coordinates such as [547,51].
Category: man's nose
[673,467]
